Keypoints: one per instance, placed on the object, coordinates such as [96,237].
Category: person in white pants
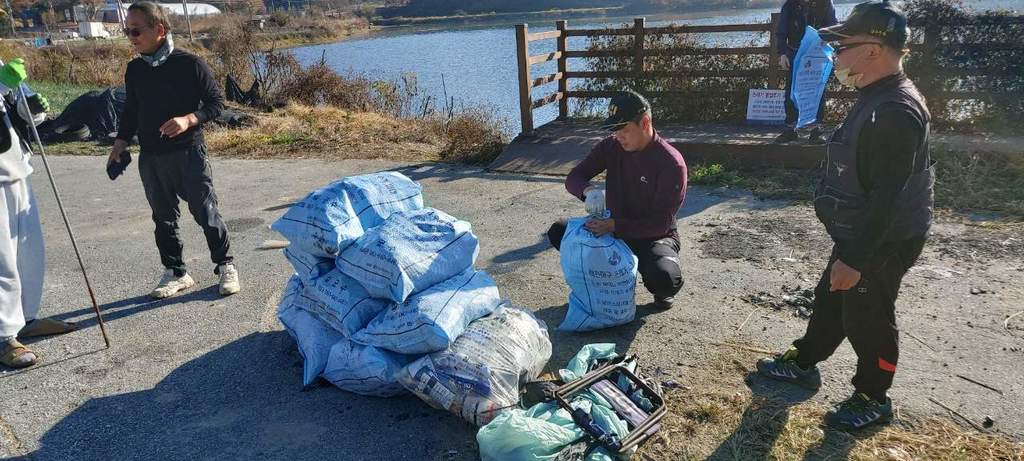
[22,257]
[22,265]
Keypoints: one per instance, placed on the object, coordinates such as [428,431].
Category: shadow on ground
[765,419]
[243,401]
[86,317]
[567,343]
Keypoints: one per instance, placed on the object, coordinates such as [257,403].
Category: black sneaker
[858,412]
[817,136]
[664,303]
[784,367]
[787,136]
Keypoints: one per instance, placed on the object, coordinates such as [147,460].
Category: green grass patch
[78,148]
[965,182]
[768,183]
[59,94]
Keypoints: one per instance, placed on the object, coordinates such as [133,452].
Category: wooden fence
[932,44]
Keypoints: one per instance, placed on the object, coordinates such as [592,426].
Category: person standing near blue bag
[876,201]
[646,186]
[794,18]
[170,94]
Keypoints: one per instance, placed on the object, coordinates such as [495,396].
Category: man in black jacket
[170,95]
[794,18]
[875,201]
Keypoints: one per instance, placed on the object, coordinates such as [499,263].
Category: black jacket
[182,85]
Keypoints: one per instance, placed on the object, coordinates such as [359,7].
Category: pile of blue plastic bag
[385,300]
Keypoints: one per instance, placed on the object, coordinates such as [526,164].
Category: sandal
[16,355]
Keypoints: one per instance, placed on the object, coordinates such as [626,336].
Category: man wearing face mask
[170,94]
[646,186]
[875,201]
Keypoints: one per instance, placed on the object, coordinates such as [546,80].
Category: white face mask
[846,78]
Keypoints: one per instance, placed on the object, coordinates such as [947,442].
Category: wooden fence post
[774,73]
[638,51]
[525,99]
[931,82]
[563,67]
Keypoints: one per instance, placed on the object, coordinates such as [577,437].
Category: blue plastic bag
[313,337]
[601,272]
[431,320]
[331,218]
[365,370]
[307,266]
[342,303]
[812,67]
[410,252]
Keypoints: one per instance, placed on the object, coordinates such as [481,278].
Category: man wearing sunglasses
[170,95]
[875,201]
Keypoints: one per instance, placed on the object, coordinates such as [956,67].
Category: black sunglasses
[129,32]
[841,48]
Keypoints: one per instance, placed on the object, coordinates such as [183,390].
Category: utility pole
[188,21]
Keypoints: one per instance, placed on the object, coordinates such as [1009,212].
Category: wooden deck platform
[556,147]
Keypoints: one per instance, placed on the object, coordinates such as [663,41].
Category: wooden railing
[931,44]
[527,82]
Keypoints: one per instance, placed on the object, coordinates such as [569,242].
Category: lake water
[477,64]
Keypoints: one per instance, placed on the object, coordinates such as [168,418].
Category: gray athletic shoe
[784,367]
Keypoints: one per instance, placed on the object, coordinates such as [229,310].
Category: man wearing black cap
[876,203]
[646,185]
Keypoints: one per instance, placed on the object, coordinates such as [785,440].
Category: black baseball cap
[882,19]
[623,108]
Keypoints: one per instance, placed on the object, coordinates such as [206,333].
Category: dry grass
[721,418]
[95,62]
[980,181]
[300,131]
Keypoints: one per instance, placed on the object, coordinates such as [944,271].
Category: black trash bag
[233,92]
[99,112]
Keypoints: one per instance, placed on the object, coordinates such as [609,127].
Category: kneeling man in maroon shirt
[645,187]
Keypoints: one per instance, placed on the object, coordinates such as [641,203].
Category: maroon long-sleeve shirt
[644,189]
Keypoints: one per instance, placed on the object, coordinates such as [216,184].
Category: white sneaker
[228,279]
[171,284]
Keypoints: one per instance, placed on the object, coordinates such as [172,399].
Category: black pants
[658,260]
[792,114]
[865,314]
[186,175]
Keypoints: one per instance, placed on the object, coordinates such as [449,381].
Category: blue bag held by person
[601,272]
[812,67]
[331,218]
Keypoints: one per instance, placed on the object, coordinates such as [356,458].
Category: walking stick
[63,214]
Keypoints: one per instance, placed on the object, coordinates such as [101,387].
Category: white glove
[594,202]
